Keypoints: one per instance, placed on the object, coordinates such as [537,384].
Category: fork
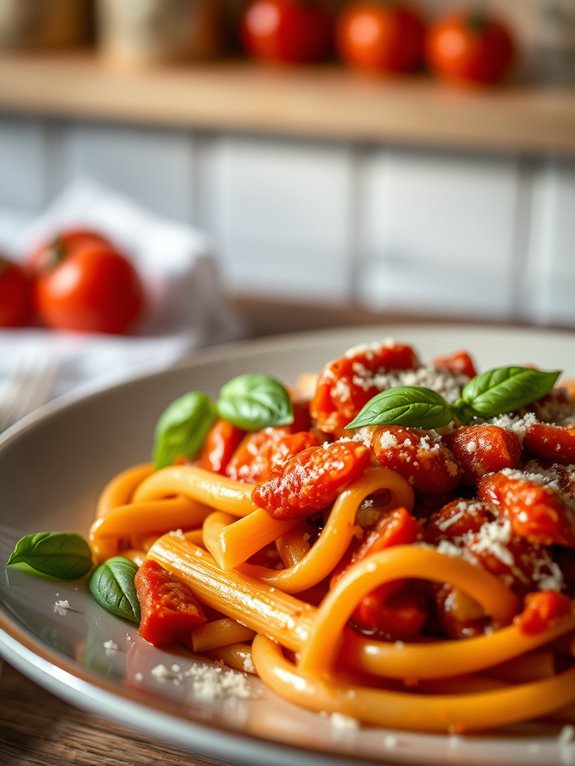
[28,387]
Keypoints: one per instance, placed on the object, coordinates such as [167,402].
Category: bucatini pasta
[394,543]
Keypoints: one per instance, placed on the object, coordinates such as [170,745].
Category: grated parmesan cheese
[208,682]
[111,647]
[517,424]
[390,742]
[493,537]
[61,607]
[343,722]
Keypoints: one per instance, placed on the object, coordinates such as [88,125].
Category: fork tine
[11,392]
[42,383]
[28,388]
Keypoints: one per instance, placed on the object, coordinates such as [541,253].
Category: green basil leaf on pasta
[64,555]
[252,402]
[182,428]
[505,389]
[411,406]
[112,586]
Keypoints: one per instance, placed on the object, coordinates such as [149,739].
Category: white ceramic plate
[52,468]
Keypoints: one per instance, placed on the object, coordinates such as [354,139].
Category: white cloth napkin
[186,308]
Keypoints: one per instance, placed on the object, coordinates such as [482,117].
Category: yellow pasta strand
[158,516]
[237,656]
[218,633]
[120,489]
[337,533]
[404,710]
[442,659]
[217,491]
[141,519]
[402,561]
[293,545]
[260,607]
[232,542]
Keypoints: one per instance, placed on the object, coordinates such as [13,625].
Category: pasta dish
[387,540]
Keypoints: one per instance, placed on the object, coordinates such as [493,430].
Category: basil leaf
[112,586]
[182,428]
[412,406]
[505,389]
[64,555]
[252,402]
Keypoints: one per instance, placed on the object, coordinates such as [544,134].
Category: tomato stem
[477,22]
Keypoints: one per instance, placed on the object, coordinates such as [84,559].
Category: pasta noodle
[397,575]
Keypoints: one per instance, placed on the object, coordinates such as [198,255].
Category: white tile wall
[153,166]
[397,229]
[23,165]
[549,287]
[302,274]
[281,212]
[438,232]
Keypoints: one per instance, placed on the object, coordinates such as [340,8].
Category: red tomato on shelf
[381,37]
[470,48]
[92,289]
[289,31]
[15,295]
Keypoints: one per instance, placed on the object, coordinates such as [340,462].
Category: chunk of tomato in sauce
[457,614]
[260,452]
[418,456]
[345,385]
[553,443]
[221,442]
[542,610]
[458,363]
[398,617]
[393,609]
[312,479]
[456,519]
[396,527]
[170,611]
[483,449]
[537,511]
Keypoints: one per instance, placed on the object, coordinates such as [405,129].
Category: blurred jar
[556,50]
[152,31]
[43,23]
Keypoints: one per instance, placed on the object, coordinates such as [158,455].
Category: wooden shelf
[323,102]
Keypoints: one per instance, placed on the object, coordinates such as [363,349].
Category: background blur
[331,196]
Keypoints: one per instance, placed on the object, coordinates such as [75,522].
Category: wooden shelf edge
[324,102]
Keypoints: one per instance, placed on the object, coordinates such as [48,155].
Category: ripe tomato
[290,31]
[376,36]
[49,253]
[94,289]
[467,48]
[15,295]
